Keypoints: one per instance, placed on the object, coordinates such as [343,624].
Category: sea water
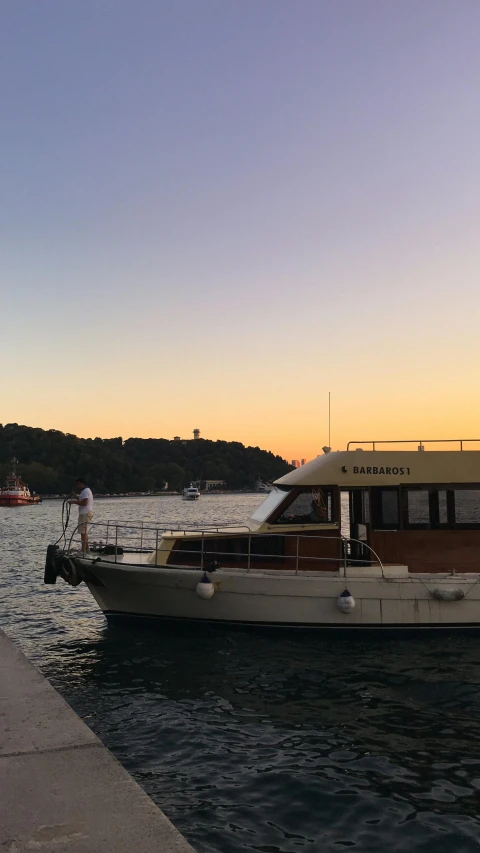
[255,741]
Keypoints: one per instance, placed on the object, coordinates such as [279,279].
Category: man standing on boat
[85,510]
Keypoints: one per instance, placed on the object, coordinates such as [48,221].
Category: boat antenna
[328,449]
[329,421]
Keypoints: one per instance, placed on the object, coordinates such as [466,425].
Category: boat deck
[386,571]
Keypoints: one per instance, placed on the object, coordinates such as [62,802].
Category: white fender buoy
[345,602]
[448,594]
[205,588]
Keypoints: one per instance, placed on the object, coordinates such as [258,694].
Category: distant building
[196,433]
[179,440]
[303,461]
[214,484]
[209,485]
[295,463]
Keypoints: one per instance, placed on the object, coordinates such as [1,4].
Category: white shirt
[88,507]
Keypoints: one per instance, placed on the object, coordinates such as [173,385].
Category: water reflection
[275,742]
[270,742]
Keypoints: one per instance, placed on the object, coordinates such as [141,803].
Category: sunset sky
[214,212]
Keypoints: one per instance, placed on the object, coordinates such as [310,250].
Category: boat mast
[328,449]
[329,442]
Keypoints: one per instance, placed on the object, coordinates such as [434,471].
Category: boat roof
[349,468]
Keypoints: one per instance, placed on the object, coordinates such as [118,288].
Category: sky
[214,212]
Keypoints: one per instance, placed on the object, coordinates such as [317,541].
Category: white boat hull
[277,598]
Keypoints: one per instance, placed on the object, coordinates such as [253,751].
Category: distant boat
[15,492]
[191,493]
[262,487]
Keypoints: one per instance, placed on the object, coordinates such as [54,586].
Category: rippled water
[254,741]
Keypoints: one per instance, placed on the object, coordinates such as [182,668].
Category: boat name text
[374,470]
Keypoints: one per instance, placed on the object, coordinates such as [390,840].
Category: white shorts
[83,521]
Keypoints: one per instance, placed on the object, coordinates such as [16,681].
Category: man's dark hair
[81,480]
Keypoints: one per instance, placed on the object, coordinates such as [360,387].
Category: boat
[367,538]
[15,492]
[191,493]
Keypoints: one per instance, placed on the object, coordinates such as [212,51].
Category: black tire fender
[70,572]
[51,564]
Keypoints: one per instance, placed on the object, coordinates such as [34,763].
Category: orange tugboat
[15,492]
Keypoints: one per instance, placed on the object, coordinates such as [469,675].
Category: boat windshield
[270,503]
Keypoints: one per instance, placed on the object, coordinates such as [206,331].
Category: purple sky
[215,211]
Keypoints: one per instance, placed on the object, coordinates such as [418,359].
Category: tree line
[50,461]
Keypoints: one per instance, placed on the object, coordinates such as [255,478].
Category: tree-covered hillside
[50,461]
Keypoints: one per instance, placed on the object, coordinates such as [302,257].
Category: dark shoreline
[155,495]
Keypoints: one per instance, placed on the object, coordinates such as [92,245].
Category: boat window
[385,509]
[188,545]
[431,508]
[235,548]
[313,506]
[442,507]
[417,509]
[267,546]
[270,504]
[467,507]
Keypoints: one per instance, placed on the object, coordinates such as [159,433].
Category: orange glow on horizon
[283,436]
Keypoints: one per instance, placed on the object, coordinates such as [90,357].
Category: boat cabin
[414,508]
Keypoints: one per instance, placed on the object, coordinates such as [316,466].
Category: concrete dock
[61,790]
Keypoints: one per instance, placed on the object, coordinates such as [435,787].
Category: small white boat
[262,488]
[191,493]
[410,559]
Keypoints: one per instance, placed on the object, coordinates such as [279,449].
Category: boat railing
[149,525]
[124,538]
[421,443]
[145,529]
[141,536]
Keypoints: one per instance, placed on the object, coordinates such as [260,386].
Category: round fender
[205,588]
[448,594]
[345,602]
